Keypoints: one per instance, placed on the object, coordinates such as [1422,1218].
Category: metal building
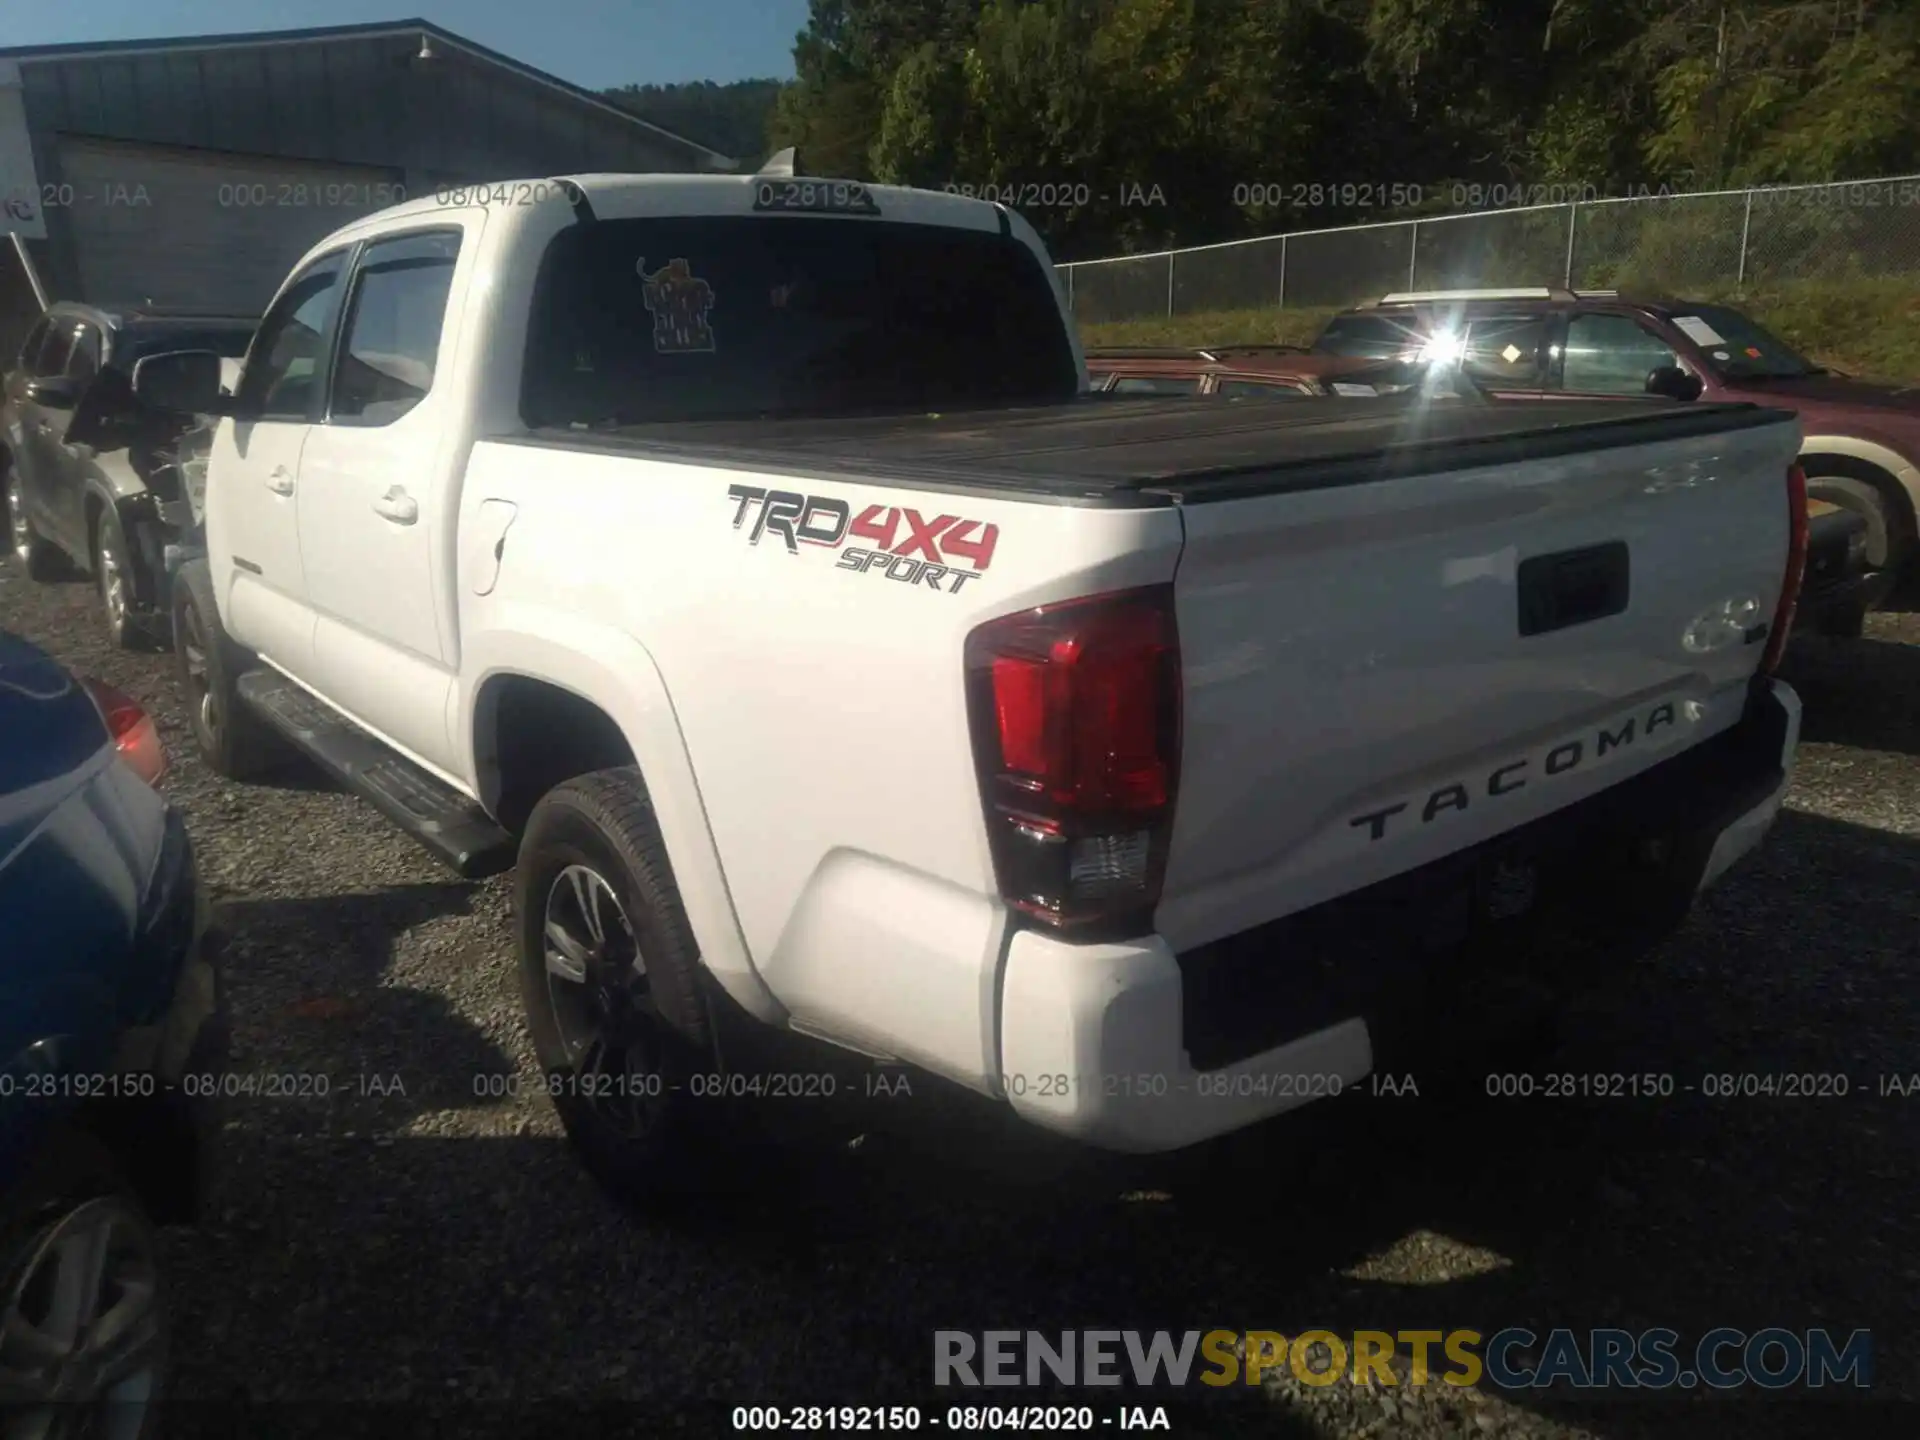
[194,172]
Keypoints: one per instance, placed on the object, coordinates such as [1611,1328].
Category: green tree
[1226,111]
[922,119]
[844,62]
[1782,90]
[730,118]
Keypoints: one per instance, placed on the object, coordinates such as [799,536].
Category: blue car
[112,1030]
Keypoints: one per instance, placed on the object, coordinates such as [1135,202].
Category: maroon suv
[1862,440]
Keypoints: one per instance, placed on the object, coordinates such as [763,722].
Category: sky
[595,43]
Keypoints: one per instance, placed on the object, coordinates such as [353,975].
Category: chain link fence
[1675,243]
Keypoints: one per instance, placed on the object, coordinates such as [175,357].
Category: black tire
[34,553]
[1889,546]
[233,741]
[114,583]
[634,1117]
[73,1188]
[1847,624]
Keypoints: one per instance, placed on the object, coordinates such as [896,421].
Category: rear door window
[1611,355]
[392,331]
[1157,385]
[1285,389]
[1507,350]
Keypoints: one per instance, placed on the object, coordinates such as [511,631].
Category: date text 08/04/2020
[1151,1085]
[647,1085]
[964,1418]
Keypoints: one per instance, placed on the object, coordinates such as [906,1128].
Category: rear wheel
[35,554]
[232,740]
[1847,624]
[609,973]
[83,1307]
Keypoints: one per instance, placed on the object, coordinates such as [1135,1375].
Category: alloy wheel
[602,1003]
[83,1336]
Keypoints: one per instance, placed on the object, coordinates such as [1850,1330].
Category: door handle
[398,506]
[280,481]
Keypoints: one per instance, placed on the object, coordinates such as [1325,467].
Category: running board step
[447,823]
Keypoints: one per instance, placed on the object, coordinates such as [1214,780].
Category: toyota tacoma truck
[744,563]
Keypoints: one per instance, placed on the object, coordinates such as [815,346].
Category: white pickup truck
[743,561]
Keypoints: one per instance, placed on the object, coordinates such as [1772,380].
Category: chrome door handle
[398,506]
[280,481]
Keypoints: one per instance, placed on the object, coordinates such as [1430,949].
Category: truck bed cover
[1107,450]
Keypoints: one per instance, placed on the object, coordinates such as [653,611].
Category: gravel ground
[404,1237]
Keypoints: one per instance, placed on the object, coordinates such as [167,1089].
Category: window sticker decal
[679,301]
[1697,330]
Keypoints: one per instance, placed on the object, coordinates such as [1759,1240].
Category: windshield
[1739,348]
[717,317]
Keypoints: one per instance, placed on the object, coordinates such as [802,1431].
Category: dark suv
[89,472]
[1862,440]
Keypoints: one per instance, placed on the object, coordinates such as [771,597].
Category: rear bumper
[1131,1047]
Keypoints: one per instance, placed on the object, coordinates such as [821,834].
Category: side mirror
[184,381]
[1674,383]
[56,392]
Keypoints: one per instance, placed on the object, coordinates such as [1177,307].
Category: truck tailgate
[1383,672]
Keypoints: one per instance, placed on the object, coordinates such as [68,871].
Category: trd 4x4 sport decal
[903,545]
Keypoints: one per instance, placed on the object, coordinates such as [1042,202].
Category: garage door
[202,229]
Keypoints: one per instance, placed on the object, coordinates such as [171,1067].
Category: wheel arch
[1872,463]
[548,669]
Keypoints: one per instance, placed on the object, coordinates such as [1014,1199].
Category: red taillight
[133,730]
[1075,710]
[1796,570]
